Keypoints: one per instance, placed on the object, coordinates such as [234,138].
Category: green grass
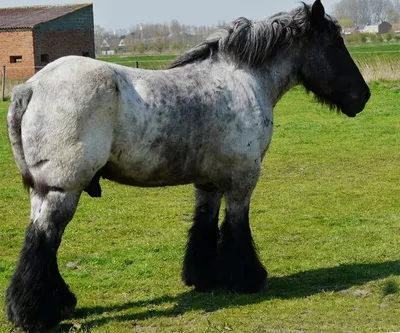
[379,61]
[374,47]
[375,53]
[161,57]
[144,61]
[325,216]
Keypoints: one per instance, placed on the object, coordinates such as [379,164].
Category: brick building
[31,37]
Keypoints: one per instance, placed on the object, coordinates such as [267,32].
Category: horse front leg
[38,298]
[199,265]
[239,268]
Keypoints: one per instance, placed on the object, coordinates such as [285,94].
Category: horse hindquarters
[59,145]
[38,298]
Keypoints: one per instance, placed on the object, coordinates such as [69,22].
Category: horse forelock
[254,42]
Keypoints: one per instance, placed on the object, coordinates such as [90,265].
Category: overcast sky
[112,14]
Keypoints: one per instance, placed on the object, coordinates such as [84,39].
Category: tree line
[176,37]
[141,38]
[366,12]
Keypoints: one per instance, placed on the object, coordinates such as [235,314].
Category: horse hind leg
[239,268]
[38,298]
[199,265]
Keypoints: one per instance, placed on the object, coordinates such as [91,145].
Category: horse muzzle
[356,103]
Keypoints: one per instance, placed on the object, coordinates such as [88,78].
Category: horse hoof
[201,287]
[250,287]
[38,312]
[68,312]
[200,282]
[254,281]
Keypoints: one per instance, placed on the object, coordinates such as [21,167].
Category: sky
[114,14]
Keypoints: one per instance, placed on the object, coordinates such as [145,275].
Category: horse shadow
[299,285]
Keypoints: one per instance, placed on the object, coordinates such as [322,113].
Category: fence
[12,75]
[143,64]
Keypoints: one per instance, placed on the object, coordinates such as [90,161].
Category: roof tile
[28,17]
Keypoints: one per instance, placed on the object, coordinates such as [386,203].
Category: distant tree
[394,16]
[365,11]
[159,45]
[379,10]
[130,41]
[364,38]
[175,28]
[347,23]
[99,35]
[142,47]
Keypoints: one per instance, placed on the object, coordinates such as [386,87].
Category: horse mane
[252,42]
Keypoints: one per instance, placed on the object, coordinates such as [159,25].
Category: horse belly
[153,169]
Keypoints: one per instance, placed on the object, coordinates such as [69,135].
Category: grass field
[142,61]
[374,48]
[325,216]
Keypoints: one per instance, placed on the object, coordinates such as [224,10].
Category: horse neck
[280,74]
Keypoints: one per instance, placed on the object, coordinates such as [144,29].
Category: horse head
[327,68]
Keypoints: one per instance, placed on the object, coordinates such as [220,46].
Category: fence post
[3,83]
[137,64]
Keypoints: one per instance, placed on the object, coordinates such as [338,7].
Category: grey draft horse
[206,120]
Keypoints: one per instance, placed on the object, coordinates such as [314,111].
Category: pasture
[377,61]
[325,216]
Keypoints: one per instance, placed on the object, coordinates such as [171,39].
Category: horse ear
[318,12]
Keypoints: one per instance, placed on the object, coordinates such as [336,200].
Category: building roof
[378,24]
[28,17]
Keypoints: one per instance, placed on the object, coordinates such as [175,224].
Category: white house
[381,28]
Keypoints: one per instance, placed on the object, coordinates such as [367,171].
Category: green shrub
[364,38]
[353,38]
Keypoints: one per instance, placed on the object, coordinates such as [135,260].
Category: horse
[206,120]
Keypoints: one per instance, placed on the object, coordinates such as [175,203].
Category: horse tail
[20,99]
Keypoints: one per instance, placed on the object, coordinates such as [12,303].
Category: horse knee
[53,210]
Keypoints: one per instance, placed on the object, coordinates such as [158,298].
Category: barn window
[15,59]
[85,54]
[44,58]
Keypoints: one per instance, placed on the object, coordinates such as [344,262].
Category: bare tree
[366,11]
[379,10]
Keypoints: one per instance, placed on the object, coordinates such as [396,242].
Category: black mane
[253,42]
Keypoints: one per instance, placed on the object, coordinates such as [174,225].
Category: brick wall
[17,43]
[57,44]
